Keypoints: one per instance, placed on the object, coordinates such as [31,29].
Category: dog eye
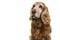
[33,5]
[40,6]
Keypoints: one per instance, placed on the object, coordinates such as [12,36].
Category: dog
[40,22]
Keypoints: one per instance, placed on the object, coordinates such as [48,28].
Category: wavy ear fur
[45,16]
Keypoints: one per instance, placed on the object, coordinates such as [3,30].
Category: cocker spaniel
[40,22]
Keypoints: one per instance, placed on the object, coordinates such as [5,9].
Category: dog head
[40,11]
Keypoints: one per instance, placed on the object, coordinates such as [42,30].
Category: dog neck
[37,23]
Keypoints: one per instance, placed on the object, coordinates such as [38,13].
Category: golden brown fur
[40,28]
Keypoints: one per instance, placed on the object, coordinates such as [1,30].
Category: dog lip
[34,18]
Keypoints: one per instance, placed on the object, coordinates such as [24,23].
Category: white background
[15,23]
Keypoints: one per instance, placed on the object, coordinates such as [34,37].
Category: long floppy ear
[45,16]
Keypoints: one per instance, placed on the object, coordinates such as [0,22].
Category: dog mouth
[34,18]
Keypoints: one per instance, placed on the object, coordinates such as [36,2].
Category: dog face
[40,11]
[36,10]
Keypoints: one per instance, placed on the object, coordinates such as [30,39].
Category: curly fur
[40,28]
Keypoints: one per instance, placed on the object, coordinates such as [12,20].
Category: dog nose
[34,11]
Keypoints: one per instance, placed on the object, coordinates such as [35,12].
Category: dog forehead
[39,3]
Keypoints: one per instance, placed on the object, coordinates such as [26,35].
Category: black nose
[33,12]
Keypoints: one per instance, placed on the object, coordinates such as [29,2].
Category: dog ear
[45,16]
